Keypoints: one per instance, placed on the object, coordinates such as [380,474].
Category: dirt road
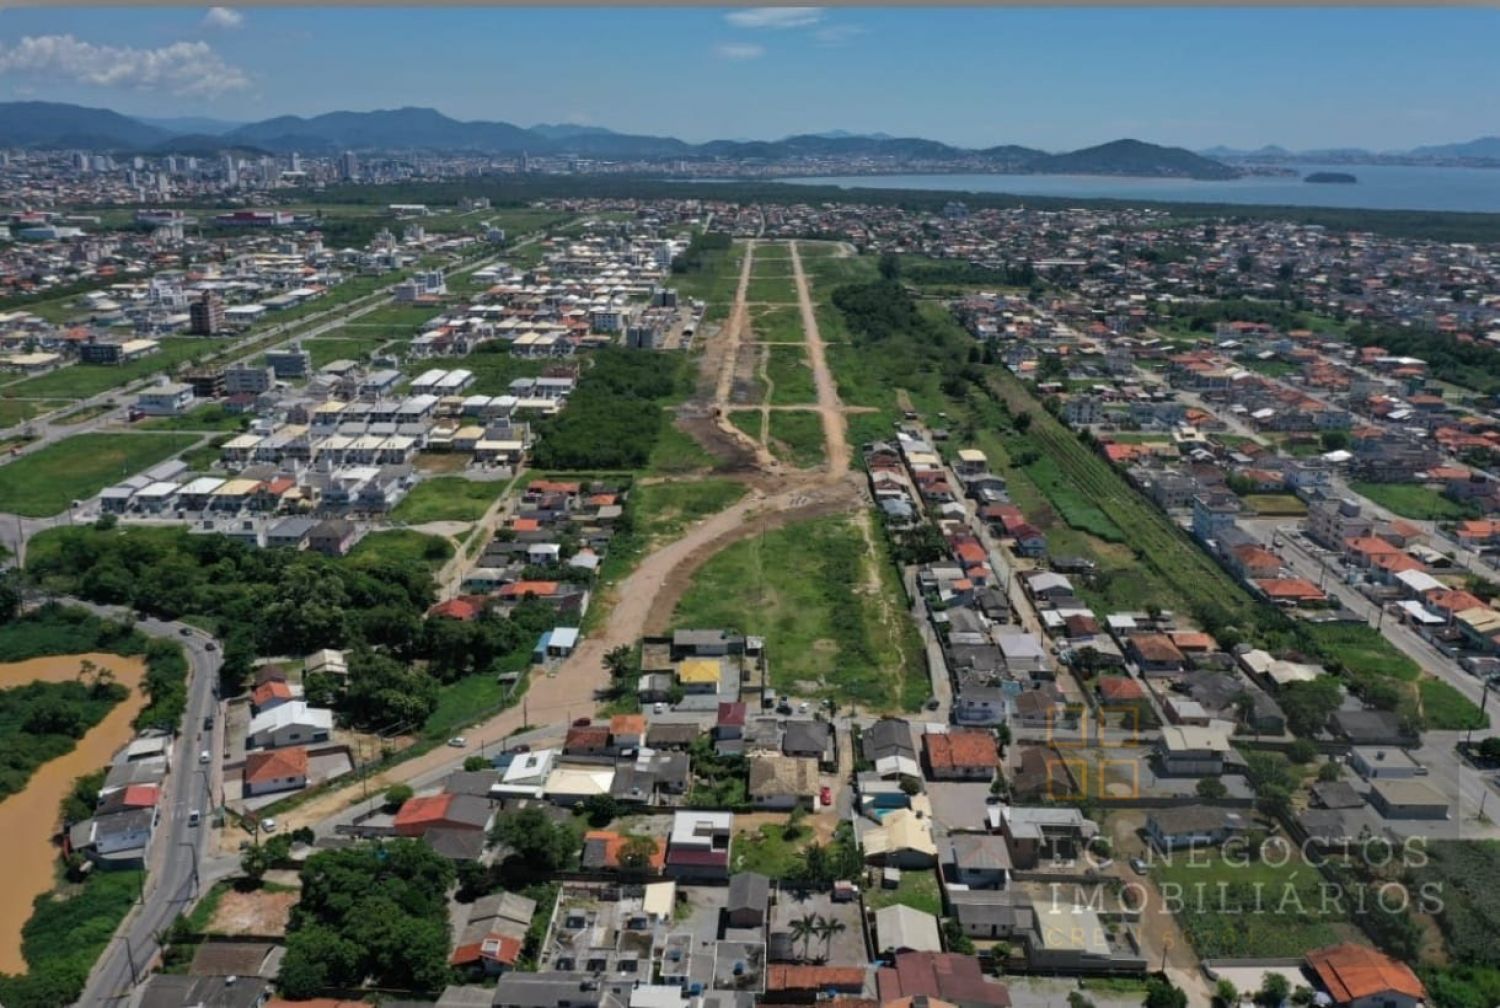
[835,424]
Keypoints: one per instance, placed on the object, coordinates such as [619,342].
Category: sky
[1058,79]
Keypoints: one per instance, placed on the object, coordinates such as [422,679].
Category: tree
[254,863]
[397,795]
[1211,788]
[1309,705]
[1225,994]
[1160,993]
[600,809]
[475,764]
[1329,772]
[1489,749]
[828,929]
[910,785]
[1274,988]
[535,839]
[1077,999]
[803,929]
[890,267]
[1302,751]
[636,853]
[955,939]
[1022,422]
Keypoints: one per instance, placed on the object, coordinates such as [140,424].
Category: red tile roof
[1351,972]
[960,750]
[275,764]
[780,977]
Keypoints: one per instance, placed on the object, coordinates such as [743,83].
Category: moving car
[205,757]
[458,742]
[193,817]
[826,795]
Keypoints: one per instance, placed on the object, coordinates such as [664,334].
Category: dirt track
[644,601]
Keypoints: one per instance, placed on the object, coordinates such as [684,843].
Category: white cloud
[223,17]
[839,34]
[187,68]
[739,50]
[775,17]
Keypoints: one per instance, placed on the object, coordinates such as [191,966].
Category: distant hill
[562,131]
[387,129]
[1133,157]
[56,125]
[1484,147]
[192,124]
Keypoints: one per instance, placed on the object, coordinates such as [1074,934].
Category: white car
[659,708]
[458,742]
[268,825]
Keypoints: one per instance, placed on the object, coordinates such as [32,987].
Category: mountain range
[1482,149]
[55,125]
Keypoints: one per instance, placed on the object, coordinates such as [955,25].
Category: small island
[1331,176]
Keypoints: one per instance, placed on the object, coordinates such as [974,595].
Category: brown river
[27,819]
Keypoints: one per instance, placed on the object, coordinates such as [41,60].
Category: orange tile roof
[1291,588]
[520,589]
[960,749]
[794,977]
[1351,972]
[627,724]
[1370,546]
[276,764]
[423,809]
[275,689]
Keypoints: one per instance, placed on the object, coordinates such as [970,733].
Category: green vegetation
[1276,505]
[1075,509]
[448,498]
[67,931]
[665,510]
[1463,872]
[40,721]
[209,417]
[775,850]
[1250,907]
[409,317]
[47,481]
[371,913]
[614,417]
[15,411]
[811,588]
[81,381]
[493,365]
[202,458]
[797,437]
[324,351]
[747,420]
[772,289]
[918,890]
[1446,709]
[790,374]
[402,547]
[1413,500]
[676,452]
[781,324]
[709,268]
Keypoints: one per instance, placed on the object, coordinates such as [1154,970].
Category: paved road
[176,859]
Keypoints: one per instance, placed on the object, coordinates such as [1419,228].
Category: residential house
[1357,976]
[275,770]
[1193,750]
[749,897]
[888,744]
[899,928]
[782,782]
[698,845]
[980,860]
[1034,834]
[960,755]
[1192,826]
[293,723]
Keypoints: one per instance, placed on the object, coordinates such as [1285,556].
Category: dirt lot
[253,913]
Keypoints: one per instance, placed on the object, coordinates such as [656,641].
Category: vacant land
[828,601]
[774,850]
[14,411]
[79,381]
[494,368]
[774,289]
[1276,505]
[791,377]
[677,452]
[402,545]
[447,498]
[665,510]
[747,420]
[46,482]
[779,324]
[917,889]
[797,438]
[326,350]
[1244,908]
[212,417]
[1412,500]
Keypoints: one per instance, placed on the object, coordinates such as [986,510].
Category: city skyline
[1054,79]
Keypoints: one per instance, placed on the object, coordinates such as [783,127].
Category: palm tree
[803,929]
[828,927]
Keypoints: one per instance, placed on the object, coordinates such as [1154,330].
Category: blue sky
[1056,79]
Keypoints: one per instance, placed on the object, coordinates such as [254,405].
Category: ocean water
[1379,187]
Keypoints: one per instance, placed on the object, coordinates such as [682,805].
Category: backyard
[448,498]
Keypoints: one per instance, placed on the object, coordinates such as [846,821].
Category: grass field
[494,370]
[778,324]
[676,452]
[775,289]
[325,350]
[14,411]
[665,510]
[80,381]
[209,417]
[716,281]
[828,606]
[404,545]
[46,482]
[447,498]
[1412,500]
[408,316]
[1287,505]
[768,851]
[790,374]
[918,890]
[1241,908]
[747,420]
[797,437]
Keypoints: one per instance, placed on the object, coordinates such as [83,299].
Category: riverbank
[28,819]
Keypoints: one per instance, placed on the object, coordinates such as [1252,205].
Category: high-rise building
[231,171]
[348,166]
[295,163]
[206,315]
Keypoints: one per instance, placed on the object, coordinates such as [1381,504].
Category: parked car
[1138,866]
[210,646]
[193,817]
[458,742]
[658,708]
[208,723]
[268,825]
[932,703]
[523,747]
[186,631]
[826,795]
